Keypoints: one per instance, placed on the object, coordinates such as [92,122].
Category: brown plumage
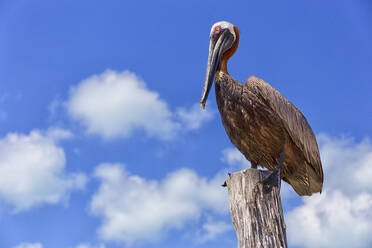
[261,123]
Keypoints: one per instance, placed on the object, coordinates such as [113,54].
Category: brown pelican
[268,129]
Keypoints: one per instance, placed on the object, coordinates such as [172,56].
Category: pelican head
[224,38]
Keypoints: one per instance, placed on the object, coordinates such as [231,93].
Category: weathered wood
[256,211]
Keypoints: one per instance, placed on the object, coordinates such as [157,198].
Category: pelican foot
[253,165]
[274,177]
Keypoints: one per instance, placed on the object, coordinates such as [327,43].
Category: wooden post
[256,211]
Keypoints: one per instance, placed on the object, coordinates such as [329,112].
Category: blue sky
[100,128]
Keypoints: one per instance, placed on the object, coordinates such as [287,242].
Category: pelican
[264,126]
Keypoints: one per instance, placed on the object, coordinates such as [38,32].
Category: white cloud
[32,169]
[332,219]
[341,216]
[88,245]
[115,104]
[212,229]
[29,245]
[193,118]
[235,158]
[344,159]
[134,208]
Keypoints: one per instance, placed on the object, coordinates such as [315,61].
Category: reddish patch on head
[217,29]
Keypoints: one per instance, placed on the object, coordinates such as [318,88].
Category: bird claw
[274,177]
[271,178]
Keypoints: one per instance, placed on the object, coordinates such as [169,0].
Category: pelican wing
[293,120]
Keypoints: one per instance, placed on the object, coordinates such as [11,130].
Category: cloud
[341,216]
[345,159]
[136,209]
[234,158]
[32,169]
[29,245]
[88,245]
[332,220]
[212,229]
[115,104]
[192,119]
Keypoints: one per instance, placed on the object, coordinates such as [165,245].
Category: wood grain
[256,211]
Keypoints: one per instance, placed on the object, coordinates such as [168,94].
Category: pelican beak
[216,46]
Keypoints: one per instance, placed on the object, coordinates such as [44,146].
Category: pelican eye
[217,29]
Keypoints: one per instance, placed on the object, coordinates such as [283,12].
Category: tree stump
[256,211]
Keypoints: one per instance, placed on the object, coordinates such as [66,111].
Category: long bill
[214,58]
